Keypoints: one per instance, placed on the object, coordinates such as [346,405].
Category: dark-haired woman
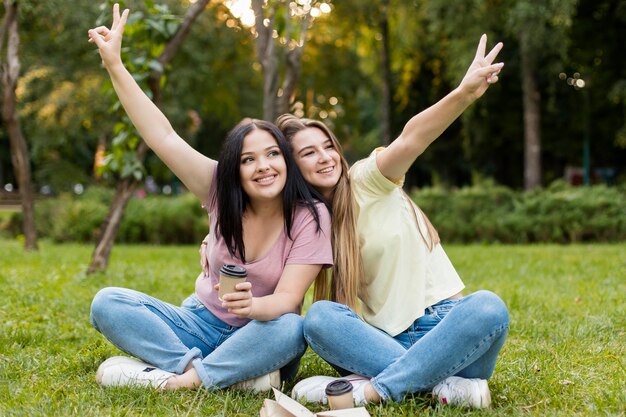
[263,216]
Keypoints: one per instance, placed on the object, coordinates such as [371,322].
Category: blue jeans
[455,337]
[170,337]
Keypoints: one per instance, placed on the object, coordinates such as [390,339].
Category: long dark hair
[232,199]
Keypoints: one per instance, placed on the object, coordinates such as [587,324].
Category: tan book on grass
[284,406]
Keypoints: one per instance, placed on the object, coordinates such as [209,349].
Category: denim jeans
[169,337]
[454,337]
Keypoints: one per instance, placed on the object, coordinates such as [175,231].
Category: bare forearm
[272,306]
[150,122]
[419,133]
[428,125]
[286,298]
[194,169]
[424,128]
[191,167]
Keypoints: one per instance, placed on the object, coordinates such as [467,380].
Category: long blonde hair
[347,280]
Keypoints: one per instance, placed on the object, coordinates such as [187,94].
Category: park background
[528,186]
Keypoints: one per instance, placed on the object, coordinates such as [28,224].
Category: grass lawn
[565,355]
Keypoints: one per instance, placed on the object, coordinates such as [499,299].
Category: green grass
[565,355]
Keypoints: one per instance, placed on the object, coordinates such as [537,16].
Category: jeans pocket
[192,303]
[442,308]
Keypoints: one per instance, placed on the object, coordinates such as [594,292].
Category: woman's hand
[482,72]
[423,128]
[239,302]
[204,255]
[109,41]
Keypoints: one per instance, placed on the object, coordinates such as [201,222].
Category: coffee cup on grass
[339,394]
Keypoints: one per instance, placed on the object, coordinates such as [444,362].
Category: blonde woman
[416,333]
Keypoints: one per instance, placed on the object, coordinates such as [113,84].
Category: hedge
[481,213]
[558,214]
[153,219]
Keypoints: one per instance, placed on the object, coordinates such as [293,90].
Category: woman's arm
[310,252]
[194,169]
[287,298]
[395,160]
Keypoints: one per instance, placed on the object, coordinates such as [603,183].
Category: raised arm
[395,160]
[194,169]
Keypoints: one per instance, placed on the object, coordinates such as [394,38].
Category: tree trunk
[386,66]
[19,147]
[275,104]
[126,187]
[532,118]
[266,56]
[102,252]
[293,68]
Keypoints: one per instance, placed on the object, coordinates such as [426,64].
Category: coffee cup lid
[237,271]
[338,387]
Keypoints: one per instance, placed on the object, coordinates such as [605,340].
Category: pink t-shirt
[308,247]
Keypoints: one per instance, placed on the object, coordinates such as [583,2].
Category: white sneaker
[467,392]
[260,384]
[124,371]
[313,389]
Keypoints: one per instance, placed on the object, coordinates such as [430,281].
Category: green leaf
[155,65]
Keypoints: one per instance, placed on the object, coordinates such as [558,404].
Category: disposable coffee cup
[230,275]
[339,394]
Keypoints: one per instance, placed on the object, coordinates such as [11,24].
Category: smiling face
[262,169]
[318,160]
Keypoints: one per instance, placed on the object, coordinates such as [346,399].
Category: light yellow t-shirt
[403,277]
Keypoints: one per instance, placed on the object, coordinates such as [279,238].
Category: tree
[598,58]
[377,16]
[541,30]
[129,161]
[286,24]
[9,71]
[56,94]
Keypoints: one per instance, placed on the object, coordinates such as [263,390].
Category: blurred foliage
[145,37]
[153,219]
[484,212]
[490,213]
[214,81]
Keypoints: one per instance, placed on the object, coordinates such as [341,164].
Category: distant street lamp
[579,84]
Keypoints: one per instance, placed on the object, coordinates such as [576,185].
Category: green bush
[153,219]
[77,220]
[482,213]
[161,219]
[559,214]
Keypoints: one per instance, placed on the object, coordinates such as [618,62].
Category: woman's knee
[104,305]
[288,332]
[291,323]
[491,308]
[318,317]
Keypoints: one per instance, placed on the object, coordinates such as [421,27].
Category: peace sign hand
[109,41]
[482,72]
